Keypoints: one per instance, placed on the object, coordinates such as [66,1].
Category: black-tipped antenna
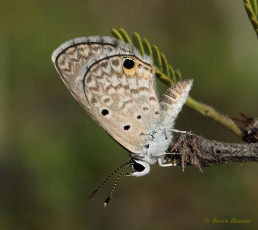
[107,179]
[108,199]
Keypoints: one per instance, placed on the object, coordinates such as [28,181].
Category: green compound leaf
[252,11]
[169,76]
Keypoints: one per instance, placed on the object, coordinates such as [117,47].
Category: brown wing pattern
[113,84]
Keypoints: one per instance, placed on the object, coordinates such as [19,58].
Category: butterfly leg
[179,131]
[162,164]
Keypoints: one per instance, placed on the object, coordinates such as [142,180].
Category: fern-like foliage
[164,71]
[252,11]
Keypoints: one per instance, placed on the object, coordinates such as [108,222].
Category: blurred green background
[53,155]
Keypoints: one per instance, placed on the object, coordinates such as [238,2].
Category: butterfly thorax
[159,141]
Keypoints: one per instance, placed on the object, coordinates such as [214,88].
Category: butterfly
[116,86]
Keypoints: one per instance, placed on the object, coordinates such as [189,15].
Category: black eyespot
[147,146]
[104,112]
[137,167]
[139,117]
[127,127]
[157,113]
[128,63]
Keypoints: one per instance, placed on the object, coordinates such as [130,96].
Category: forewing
[119,97]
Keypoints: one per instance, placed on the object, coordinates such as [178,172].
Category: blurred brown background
[52,155]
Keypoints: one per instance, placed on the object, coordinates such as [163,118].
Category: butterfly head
[140,167]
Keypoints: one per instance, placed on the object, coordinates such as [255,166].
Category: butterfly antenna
[107,179]
[108,199]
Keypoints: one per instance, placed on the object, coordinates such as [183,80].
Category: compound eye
[138,167]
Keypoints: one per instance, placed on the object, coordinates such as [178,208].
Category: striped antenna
[123,167]
[108,199]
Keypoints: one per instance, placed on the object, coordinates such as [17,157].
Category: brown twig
[190,149]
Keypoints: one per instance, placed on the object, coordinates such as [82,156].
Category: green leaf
[164,78]
[172,73]
[164,64]
[137,42]
[124,35]
[156,57]
[116,34]
[147,47]
[252,12]
[178,75]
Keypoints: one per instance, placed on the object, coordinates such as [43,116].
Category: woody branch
[191,149]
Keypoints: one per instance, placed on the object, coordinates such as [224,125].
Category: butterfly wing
[172,101]
[114,84]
